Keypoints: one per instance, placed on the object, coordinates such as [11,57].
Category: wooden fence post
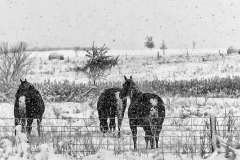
[213,131]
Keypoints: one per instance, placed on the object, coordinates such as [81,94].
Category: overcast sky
[121,24]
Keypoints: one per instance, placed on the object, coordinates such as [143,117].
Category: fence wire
[82,136]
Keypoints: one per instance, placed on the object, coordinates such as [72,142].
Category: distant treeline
[59,48]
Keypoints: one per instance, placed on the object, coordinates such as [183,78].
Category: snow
[47,151]
[143,65]
[186,106]
[21,150]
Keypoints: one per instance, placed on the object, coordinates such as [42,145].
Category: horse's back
[107,97]
[35,104]
[154,100]
[146,97]
[142,106]
[107,100]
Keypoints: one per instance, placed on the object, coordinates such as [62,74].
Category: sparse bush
[15,62]
[63,91]
[57,112]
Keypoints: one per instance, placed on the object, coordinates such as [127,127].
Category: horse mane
[136,91]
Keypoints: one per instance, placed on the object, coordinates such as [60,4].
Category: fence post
[70,133]
[213,131]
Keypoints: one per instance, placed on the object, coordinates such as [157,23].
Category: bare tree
[97,64]
[194,44]
[163,47]
[76,49]
[149,43]
[15,62]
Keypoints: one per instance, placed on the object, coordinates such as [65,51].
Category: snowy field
[143,65]
[186,118]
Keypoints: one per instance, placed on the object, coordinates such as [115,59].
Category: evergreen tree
[149,43]
[98,64]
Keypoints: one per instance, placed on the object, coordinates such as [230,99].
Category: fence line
[178,136]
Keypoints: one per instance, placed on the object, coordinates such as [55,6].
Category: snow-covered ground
[72,124]
[142,64]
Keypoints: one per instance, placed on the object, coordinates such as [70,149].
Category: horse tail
[161,111]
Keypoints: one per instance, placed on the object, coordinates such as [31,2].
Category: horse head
[129,88]
[23,88]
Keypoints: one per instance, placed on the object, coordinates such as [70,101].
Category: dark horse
[34,106]
[110,105]
[146,110]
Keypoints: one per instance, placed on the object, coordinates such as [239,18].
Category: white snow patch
[153,101]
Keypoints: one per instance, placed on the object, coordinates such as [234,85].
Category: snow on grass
[184,114]
[21,150]
[143,64]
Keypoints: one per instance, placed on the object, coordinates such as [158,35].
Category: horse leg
[17,122]
[39,127]
[119,126]
[29,126]
[112,125]
[112,114]
[103,121]
[103,125]
[23,121]
[158,130]
[133,128]
[148,136]
[120,117]
[157,137]
[124,105]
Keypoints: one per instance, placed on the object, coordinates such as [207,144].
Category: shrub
[15,62]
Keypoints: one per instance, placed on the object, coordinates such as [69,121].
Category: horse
[110,105]
[146,110]
[29,96]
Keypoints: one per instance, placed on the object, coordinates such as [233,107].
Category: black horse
[110,105]
[34,106]
[146,110]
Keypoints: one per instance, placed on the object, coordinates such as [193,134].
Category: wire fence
[82,136]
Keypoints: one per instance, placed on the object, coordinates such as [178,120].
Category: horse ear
[25,80]
[21,80]
[131,77]
[125,77]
